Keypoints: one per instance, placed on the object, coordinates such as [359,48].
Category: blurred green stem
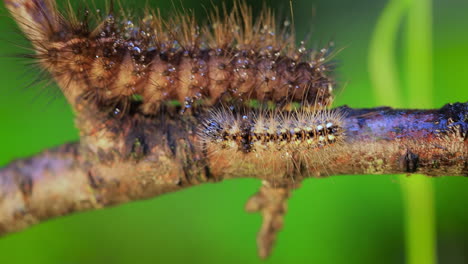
[419,53]
[382,65]
[417,190]
[420,233]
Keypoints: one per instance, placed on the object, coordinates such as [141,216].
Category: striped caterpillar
[260,131]
[141,64]
[295,142]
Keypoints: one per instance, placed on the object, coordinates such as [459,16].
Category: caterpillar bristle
[295,143]
[263,130]
[112,57]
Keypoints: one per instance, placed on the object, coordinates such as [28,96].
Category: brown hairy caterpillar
[293,141]
[140,64]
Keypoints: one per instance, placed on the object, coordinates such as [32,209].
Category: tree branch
[149,156]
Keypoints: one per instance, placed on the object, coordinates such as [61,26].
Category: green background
[343,219]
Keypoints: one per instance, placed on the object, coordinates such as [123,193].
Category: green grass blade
[417,190]
[418,197]
[382,63]
[419,54]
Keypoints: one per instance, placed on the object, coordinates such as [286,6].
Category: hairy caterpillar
[253,132]
[126,65]
[291,142]
[142,64]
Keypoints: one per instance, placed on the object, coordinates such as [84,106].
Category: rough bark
[138,157]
